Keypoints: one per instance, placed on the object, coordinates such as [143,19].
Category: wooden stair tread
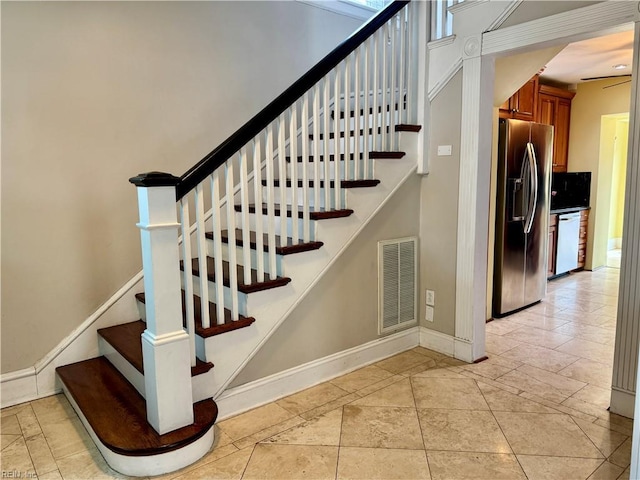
[387,155]
[125,339]
[372,155]
[332,183]
[214,329]
[402,127]
[315,213]
[117,413]
[332,157]
[352,112]
[288,249]
[254,286]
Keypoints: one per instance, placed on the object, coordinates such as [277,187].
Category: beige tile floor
[536,409]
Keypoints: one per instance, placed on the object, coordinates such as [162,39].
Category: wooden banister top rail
[259,122]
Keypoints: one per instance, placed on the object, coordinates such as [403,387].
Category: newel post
[165,343]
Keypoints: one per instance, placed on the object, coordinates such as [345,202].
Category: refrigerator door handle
[533,183]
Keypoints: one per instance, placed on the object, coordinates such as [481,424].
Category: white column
[625,367]
[165,344]
[473,202]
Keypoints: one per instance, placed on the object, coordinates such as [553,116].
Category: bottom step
[115,415]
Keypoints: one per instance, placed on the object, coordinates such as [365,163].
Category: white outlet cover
[444,150]
[428,314]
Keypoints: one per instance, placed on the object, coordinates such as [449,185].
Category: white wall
[96,92]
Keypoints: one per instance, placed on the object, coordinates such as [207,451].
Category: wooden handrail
[259,122]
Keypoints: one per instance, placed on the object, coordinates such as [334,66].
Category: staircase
[260,219]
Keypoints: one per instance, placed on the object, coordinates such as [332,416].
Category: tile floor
[536,409]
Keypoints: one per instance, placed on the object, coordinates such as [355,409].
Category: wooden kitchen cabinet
[553,245]
[523,104]
[582,242]
[554,108]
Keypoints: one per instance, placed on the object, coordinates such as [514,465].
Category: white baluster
[271,196]
[402,107]
[293,167]
[316,147]
[282,176]
[376,87]
[366,106]
[217,251]
[412,15]
[244,216]
[337,105]
[326,108]
[202,255]
[231,238]
[304,135]
[257,193]
[357,87]
[188,277]
[386,108]
[347,116]
[393,99]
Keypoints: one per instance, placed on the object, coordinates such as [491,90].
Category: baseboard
[254,394]
[622,402]
[440,342]
[18,387]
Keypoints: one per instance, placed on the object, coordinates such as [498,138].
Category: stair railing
[302,139]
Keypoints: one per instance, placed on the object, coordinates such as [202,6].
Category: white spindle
[202,255]
[188,277]
[217,251]
[244,216]
[271,217]
[231,238]
[326,126]
[257,193]
[402,107]
[337,105]
[347,115]
[376,88]
[304,135]
[409,58]
[366,106]
[293,166]
[386,108]
[393,98]
[316,146]
[357,88]
[282,176]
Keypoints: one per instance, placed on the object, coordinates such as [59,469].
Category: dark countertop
[568,210]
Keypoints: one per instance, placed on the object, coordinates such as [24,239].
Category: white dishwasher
[568,239]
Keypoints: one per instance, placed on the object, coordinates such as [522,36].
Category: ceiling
[592,58]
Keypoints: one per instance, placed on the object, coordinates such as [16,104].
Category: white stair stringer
[233,350]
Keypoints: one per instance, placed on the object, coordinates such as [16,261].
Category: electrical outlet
[431,298]
[428,314]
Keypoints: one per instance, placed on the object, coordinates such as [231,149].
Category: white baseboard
[440,342]
[622,402]
[18,387]
[254,394]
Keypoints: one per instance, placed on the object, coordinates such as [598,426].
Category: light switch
[428,315]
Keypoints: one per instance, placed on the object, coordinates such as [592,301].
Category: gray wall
[96,92]
[439,214]
[342,310]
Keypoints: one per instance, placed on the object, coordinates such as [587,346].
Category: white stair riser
[240,258]
[311,196]
[281,225]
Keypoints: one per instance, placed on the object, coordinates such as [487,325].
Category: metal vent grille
[397,283]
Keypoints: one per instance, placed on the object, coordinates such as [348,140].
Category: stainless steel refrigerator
[525,151]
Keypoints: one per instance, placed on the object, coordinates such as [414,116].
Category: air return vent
[397,283]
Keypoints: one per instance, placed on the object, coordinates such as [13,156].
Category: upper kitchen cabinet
[523,104]
[554,108]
